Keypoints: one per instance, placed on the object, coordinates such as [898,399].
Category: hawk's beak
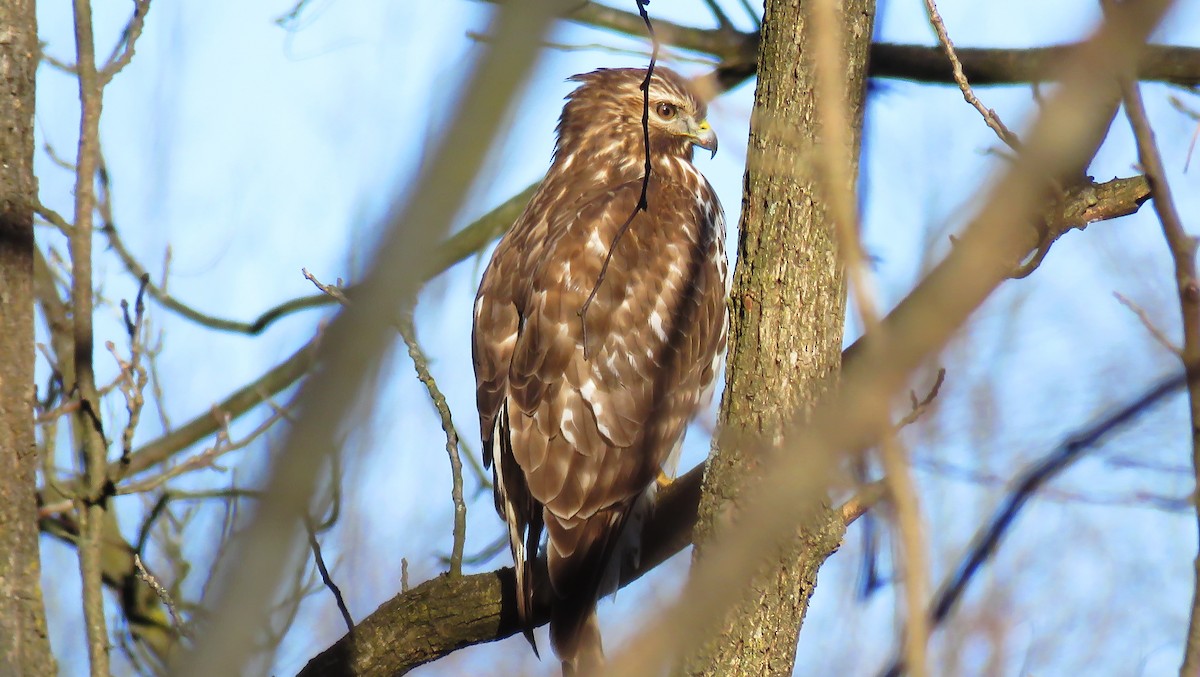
[705,137]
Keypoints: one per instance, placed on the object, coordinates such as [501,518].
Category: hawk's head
[603,116]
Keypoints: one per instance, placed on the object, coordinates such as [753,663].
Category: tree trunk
[787,315]
[24,645]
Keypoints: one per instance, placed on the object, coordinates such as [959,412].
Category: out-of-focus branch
[837,181]
[357,337]
[1183,252]
[1027,485]
[238,403]
[461,245]
[122,52]
[919,63]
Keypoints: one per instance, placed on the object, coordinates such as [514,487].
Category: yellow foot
[663,481]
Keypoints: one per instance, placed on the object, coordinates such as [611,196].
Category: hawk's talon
[663,480]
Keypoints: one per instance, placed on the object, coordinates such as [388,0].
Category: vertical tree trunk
[24,646]
[788,310]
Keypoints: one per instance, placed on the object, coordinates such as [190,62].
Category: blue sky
[252,151]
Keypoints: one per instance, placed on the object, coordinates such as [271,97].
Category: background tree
[161,523]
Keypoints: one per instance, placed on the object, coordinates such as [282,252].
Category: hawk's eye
[666,111]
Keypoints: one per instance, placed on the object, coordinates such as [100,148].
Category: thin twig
[325,577]
[421,364]
[989,115]
[133,375]
[1178,105]
[723,21]
[839,193]
[641,204]
[454,249]
[920,407]
[1144,317]
[122,52]
[1183,251]
[752,13]
[159,294]
[333,290]
[205,459]
[53,218]
[868,495]
[159,590]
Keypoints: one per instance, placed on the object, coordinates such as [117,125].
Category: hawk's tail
[584,559]
[576,637]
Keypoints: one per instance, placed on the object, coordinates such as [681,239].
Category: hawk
[582,410]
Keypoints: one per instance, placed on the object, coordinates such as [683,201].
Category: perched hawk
[581,412]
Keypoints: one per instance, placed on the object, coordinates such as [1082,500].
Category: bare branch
[447,613]
[123,51]
[989,115]
[1183,251]
[980,66]
[221,446]
[333,291]
[159,590]
[88,427]
[463,244]
[421,364]
[326,578]
[921,406]
[1144,317]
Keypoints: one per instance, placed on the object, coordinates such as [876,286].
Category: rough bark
[24,645]
[787,313]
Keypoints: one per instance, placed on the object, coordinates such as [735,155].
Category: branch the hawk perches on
[577,434]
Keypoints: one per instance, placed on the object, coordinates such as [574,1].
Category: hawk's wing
[590,426]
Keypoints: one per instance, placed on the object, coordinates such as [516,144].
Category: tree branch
[458,247]
[1183,252]
[92,503]
[919,63]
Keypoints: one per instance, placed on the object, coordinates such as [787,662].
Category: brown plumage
[576,435]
